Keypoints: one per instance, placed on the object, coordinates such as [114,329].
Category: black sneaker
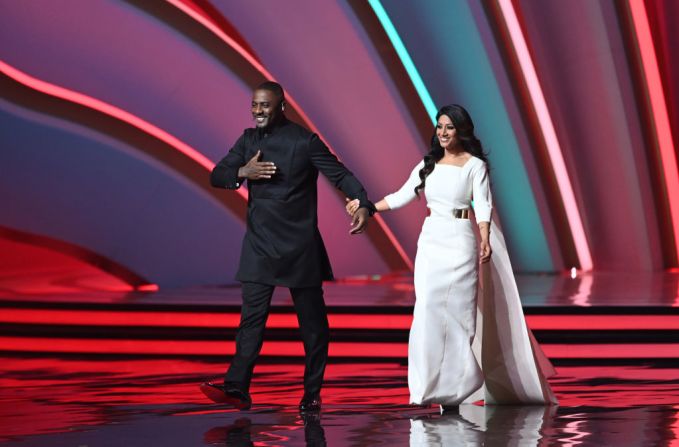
[231,396]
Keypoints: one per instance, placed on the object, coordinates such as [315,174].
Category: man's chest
[290,157]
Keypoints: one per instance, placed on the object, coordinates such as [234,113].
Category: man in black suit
[282,245]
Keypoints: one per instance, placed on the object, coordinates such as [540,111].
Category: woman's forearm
[484,230]
[382,205]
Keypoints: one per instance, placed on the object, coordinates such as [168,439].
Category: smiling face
[266,108]
[445,132]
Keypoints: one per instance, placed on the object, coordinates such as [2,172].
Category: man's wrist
[370,207]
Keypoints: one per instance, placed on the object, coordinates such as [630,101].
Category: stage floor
[88,365]
[52,401]
[634,289]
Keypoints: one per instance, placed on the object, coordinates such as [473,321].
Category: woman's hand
[484,251]
[352,206]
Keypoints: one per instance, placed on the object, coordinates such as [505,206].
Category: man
[282,244]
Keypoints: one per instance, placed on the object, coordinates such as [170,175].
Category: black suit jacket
[282,244]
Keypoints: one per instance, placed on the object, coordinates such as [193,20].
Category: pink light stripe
[179,4]
[659,109]
[549,134]
[111,110]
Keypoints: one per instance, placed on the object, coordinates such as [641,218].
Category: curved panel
[458,69]
[85,255]
[338,81]
[147,87]
[580,58]
[379,233]
[159,89]
[77,185]
[112,51]
[56,101]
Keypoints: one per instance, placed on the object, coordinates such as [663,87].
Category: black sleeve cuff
[225,177]
[367,204]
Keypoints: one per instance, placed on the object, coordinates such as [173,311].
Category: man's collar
[282,121]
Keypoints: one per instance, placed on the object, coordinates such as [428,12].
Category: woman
[448,338]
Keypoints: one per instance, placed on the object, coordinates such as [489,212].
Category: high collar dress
[449,361]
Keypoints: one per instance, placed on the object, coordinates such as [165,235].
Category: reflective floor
[86,401]
[88,365]
[536,290]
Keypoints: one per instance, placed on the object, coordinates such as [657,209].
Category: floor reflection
[476,425]
[444,430]
[104,402]
[236,434]
[240,433]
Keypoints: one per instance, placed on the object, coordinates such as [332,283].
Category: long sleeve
[328,165]
[481,195]
[225,173]
[407,192]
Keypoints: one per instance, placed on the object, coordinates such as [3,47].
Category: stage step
[365,332]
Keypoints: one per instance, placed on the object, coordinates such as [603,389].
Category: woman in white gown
[464,336]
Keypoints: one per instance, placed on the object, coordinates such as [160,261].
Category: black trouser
[313,325]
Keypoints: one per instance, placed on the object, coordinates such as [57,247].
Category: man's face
[266,108]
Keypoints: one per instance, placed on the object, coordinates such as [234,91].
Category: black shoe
[449,409]
[310,403]
[230,396]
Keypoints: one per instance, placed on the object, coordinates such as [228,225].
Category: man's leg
[313,325]
[250,336]
[254,311]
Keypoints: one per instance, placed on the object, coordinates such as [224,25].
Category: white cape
[514,367]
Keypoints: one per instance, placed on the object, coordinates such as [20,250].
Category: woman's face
[445,132]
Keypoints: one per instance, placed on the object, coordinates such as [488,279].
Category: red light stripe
[295,349]
[611,351]
[661,122]
[211,13]
[185,347]
[337,321]
[103,117]
[548,131]
[602,322]
[189,319]
[110,110]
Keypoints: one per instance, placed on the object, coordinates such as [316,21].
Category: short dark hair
[273,87]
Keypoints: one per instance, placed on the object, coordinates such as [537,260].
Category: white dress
[458,327]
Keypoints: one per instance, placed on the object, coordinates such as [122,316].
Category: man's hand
[359,221]
[255,170]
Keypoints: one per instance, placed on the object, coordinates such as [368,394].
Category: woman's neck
[454,152]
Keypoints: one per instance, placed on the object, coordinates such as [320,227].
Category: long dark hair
[464,128]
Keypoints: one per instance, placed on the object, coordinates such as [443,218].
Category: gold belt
[457,213]
[461,213]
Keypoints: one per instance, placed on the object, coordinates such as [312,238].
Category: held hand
[359,221]
[351,206]
[255,170]
[484,252]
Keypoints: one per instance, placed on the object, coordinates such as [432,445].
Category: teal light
[407,62]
